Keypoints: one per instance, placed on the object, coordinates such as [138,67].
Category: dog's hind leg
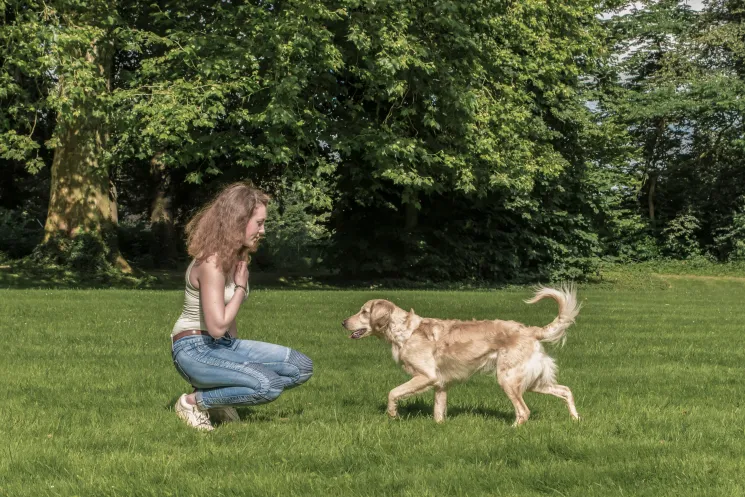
[522,413]
[441,404]
[512,386]
[559,391]
[417,384]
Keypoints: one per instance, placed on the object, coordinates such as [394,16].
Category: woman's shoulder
[209,266]
[211,261]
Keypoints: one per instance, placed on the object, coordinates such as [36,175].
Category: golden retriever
[438,352]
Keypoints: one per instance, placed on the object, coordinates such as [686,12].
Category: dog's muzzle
[357,333]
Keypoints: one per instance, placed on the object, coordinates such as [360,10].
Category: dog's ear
[380,315]
[409,317]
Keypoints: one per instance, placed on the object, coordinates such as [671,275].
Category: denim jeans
[234,372]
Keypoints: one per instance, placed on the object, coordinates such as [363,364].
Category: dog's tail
[566,297]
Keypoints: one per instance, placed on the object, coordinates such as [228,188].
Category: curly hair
[218,228]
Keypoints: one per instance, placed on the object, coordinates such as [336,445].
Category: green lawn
[657,374]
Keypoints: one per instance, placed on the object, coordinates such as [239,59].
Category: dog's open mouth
[358,334]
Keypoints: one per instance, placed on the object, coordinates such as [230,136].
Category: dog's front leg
[441,404]
[417,384]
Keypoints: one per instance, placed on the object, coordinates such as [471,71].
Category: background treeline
[441,140]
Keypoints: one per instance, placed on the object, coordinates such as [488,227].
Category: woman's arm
[233,330]
[218,316]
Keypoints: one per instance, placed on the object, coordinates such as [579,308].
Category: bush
[730,242]
[86,252]
[680,240]
[20,232]
[630,239]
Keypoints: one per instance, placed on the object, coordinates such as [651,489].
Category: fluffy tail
[566,297]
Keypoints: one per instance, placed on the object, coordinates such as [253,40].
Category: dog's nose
[344,323]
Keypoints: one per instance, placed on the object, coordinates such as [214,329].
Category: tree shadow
[27,273]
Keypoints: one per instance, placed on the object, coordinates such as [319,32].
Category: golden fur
[438,352]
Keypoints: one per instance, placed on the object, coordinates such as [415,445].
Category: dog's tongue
[357,334]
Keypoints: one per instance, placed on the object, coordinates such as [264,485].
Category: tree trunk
[650,196]
[82,200]
[163,248]
[654,157]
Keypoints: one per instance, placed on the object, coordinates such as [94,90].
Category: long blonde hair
[219,227]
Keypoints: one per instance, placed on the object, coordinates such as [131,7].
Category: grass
[656,371]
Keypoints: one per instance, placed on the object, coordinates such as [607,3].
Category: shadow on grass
[26,274]
[250,414]
[421,409]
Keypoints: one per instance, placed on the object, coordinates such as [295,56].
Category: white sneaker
[192,415]
[224,414]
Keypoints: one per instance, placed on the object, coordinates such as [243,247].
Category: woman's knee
[266,384]
[304,365]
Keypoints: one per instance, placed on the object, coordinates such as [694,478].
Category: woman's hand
[219,316]
[241,274]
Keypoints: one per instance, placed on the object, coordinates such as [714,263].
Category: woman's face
[255,228]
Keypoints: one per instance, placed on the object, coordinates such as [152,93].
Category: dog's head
[373,319]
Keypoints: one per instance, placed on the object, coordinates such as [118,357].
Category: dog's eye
[364,311]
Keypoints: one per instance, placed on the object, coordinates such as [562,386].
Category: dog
[438,352]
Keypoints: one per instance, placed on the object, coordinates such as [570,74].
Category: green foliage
[296,239]
[20,232]
[470,141]
[628,238]
[680,236]
[86,252]
[478,113]
[24,62]
[680,98]
[730,242]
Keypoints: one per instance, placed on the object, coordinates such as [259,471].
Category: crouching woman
[224,370]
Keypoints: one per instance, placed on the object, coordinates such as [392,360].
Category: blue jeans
[234,372]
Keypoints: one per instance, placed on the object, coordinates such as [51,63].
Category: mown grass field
[657,373]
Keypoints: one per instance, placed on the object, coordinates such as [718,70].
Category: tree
[57,69]
[681,80]
[651,106]
[456,104]
[374,110]
[82,198]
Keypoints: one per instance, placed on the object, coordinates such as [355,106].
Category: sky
[694,4]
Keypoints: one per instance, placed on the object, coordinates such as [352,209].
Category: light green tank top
[192,316]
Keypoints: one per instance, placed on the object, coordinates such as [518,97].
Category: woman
[226,371]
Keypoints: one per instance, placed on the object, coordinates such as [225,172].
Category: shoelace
[202,417]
